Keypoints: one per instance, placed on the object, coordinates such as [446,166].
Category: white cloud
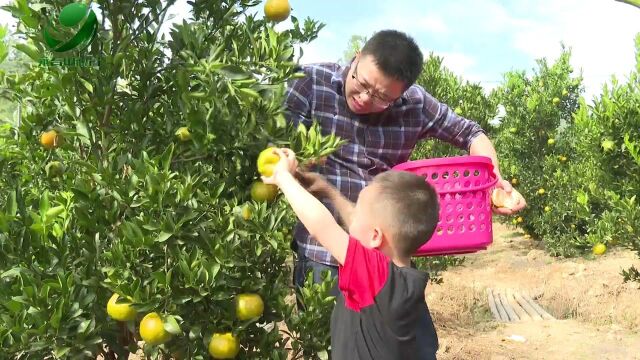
[458,62]
[600,35]
[323,49]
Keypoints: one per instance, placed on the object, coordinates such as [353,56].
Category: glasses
[361,88]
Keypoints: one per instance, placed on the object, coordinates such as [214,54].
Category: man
[375,106]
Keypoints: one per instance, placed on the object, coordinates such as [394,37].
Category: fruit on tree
[50,139]
[152,330]
[224,346]
[277,10]
[54,169]
[183,134]
[263,192]
[249,306]
[122,311]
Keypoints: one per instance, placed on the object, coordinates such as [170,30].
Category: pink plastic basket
[464,185]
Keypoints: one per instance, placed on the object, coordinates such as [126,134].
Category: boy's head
[389,63]
[399,209]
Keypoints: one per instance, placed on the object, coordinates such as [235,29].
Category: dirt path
[598,316]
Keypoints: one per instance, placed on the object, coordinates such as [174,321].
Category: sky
[479,40]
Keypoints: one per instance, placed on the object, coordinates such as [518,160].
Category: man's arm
[315,217]
[482,146]
[317,185]
[443,123]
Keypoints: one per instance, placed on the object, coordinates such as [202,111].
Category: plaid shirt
[375,142]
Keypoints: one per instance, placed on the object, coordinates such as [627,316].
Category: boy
[380,311]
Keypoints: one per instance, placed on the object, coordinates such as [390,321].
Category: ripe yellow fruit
[502,199]
[541,191]
[267,160]
[249,306]
[152,330]
[183,134]
[120,312]
[562,158]
[547,208]
[514,181]
[224,346]
[50,139]
[599,249]
[263,192]
[556,101]
[277,10]
[246,212]
[519,219]
[551,141]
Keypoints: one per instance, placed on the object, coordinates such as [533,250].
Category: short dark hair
[408,205]
[396,54]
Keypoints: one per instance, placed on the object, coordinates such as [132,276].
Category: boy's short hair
[408,205]
[396,54]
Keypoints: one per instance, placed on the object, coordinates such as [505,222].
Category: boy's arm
[315,217]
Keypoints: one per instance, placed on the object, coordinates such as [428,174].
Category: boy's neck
[398,260]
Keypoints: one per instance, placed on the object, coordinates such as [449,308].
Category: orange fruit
[224,346]
[263,192]
[49,139]
[183,134]
[246,212]
[267,160]
[249,306]
[502,199]
[122,311]
[599,249]
[277,10]
[152,330]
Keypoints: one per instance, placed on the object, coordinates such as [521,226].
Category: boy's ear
[378,238]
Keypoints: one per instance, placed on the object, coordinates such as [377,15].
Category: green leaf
[86,84]
[44,203]
[171,325]
[82,129]
[167,155]
[30,50]
[54,212]
[11,273]
[84,325]
[12,205]
[233,72]
[61,351]
[163,236]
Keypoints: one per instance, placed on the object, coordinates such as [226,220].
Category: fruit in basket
[502,199]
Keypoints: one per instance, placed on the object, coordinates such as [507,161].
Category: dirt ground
[598,316]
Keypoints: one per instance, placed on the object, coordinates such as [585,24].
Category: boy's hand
[287,164]
[315,183]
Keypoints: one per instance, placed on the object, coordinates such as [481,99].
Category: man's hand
[520,204]
[315,183]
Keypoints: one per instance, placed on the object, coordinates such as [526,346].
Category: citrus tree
[131,211]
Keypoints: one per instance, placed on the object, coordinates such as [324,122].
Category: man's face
[367,89]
